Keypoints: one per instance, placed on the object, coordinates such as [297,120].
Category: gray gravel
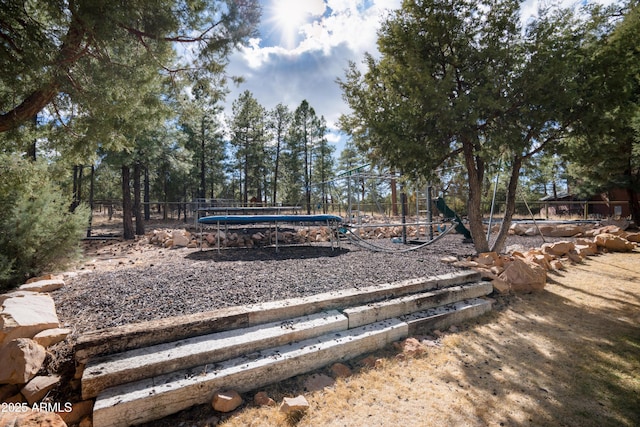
[191,281]
[188,281]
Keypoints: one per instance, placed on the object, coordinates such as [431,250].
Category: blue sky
[302,48]
[305,45]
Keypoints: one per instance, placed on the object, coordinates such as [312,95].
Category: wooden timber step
[381,310]
[143,334]
[132,365]
[154,398]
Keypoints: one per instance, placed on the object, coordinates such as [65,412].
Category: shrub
[37,231]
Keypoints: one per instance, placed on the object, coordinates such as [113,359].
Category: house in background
[610,204]
[613,203]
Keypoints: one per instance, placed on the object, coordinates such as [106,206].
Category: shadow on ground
[266,253]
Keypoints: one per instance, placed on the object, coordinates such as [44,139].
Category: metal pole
[493,201]
[429,211]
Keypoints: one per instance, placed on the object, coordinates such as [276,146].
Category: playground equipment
[331,221]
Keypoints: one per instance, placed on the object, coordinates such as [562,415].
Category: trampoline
[331,221]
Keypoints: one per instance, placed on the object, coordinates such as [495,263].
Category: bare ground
[567,356]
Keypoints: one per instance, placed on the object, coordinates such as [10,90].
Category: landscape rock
[488,259]
[340,370]
[20,360]
[557,248]
[48,276]
[25,314]
[179,238]
[293,404]
[262,399]
[31,418]
[501,286]
[317,382]
[556,264]
[38,387]
[410,347]
[633,237]
[8,390]
[613,243]
[561,230]
[226,401]
[524,276]
[43,285]
[539,258]
[79,410]
[49,337]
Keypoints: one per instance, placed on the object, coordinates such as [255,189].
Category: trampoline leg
[218,237]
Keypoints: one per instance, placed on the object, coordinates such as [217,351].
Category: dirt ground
[567,356]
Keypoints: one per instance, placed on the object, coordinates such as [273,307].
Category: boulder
[410,347]
[556,264]
[561,230]
[557,248]
[293,404]
[633,237]
[584,251]
[78,411]
[518,229]
[262,399]
[488,259]
[180,239]
[8,390]
[31,418]
[317,382]
[38,387]
[25,314]
[49,337]
[226,401]
[43,285]
[614,243]
[500,286]
[20,360]
[340,370]
[524,276]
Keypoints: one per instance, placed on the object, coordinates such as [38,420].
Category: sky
[303,46]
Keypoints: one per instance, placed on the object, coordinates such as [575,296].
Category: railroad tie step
[387,309]
[154,398]
[444,316]
[133,365]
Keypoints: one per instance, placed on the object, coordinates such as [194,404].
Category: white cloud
[281,68]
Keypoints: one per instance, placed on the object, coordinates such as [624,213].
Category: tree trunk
[512,192]
[137,193]
[394,196]
[91,194]
[127,214]
[203,176]
[147,200]
[475,171]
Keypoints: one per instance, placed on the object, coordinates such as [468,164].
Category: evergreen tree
[37,230]
[280,120]
[461,78]
[605,148]
[77,56]
[248,138]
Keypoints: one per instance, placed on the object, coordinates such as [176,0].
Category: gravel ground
[132,282]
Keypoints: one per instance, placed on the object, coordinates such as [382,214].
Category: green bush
[37,231]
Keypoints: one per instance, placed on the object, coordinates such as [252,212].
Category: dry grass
[568,356]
